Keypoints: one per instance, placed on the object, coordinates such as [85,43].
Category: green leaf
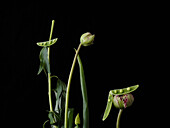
[59,91]
[70,117]
[54,117]
[51,116]
[44,62]
[108,107]
[84,95]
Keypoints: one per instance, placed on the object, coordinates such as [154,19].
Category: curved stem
[49,74]
[118,118]
[68,86]
[54,76]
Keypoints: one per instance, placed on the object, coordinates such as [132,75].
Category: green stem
[68,86]
[118,118]
[49,92]
[49,74]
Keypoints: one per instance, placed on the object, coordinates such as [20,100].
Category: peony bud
[87,39]
[123,101]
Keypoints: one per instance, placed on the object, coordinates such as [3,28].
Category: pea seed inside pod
[121,90]
[128,88]
[45,43]
[115,91]
[109,100]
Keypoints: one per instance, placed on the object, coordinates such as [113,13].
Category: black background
[123,55]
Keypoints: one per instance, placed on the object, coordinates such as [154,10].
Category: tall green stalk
[68,86]
[86,40]
[49,74]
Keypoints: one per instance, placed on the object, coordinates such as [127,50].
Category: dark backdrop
[120,57]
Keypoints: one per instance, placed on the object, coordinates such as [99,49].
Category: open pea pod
[108,107]
[116,92]
[47,43]
[124,90]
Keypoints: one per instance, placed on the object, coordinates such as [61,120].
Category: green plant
[62,116]
[55,115]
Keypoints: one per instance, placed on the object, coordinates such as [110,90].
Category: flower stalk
[86,40]
[118,118]
[68,86]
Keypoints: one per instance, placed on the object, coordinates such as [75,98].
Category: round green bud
[87,39]
[123,101]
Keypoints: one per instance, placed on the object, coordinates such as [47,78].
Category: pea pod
[47,43]
[108,107]
[124,90]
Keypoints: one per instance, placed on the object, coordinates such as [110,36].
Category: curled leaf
[44,61]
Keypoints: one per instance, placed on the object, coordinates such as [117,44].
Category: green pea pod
[124,90]
[84,95]
[47,43]
[108,107]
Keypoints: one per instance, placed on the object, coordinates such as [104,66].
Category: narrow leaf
[70,117]
[59,91]
[84,95]
[108,107]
